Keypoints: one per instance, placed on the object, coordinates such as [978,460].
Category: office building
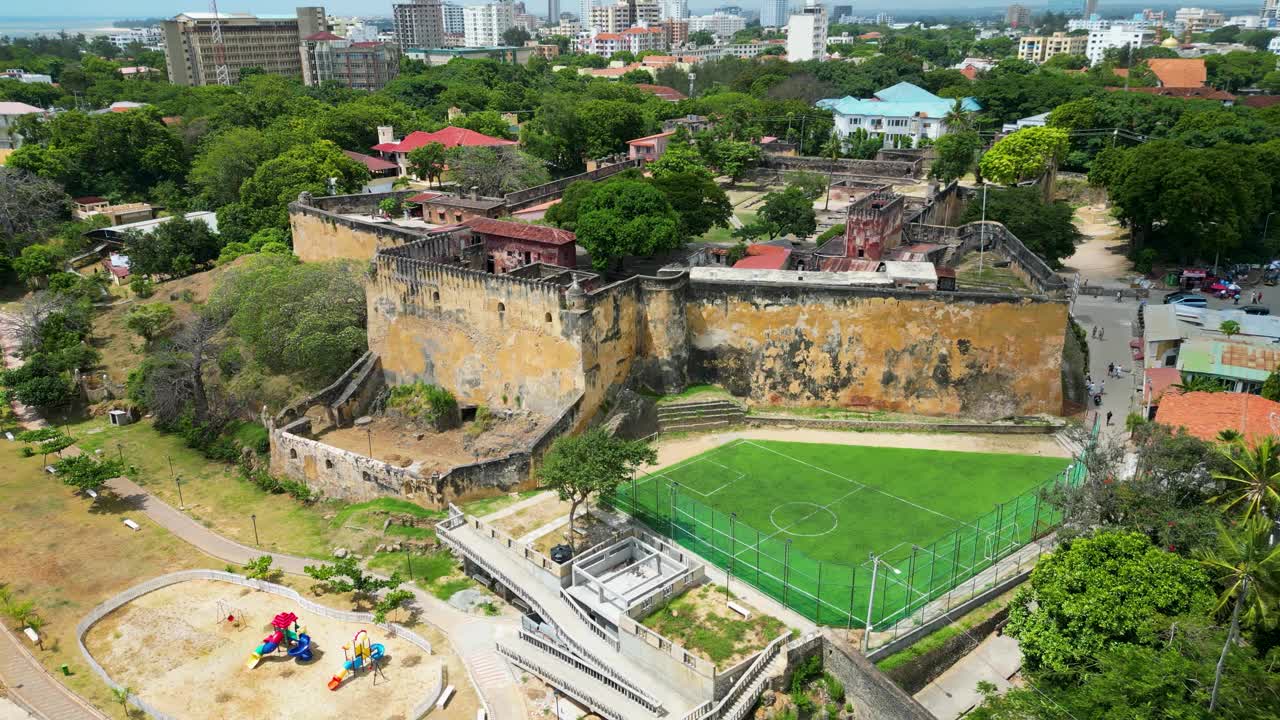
[1038,48]
[483,25]
[1116,36]
[147,37]
[841,11]
[266,42]
[1270,10]
[553,12]
[773,13]
[717,24]
[419,23]
[731,10]
[358,65]
[1018,16]
[1090,7]
[807,33]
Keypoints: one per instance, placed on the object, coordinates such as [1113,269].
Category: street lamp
[254,520]
[177,480]
[871,598]
[1266,223]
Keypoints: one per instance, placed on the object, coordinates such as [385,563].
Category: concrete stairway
[699,415]
[748,698]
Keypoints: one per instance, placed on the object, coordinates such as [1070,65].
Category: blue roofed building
[902,110]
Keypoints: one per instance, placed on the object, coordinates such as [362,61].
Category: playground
[176,649]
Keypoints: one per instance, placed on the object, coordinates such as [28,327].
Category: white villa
[903,109]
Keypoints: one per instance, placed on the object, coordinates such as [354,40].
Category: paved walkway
[26,680]
[472,638]
[955,692]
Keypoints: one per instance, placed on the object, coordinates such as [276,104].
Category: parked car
[1256,310]
[1223,289]
[1175,296]
[1191,301]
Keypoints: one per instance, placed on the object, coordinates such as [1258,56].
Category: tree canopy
[1024,155]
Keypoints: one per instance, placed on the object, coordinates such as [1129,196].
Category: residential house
[10,112]
[1237,366]
[451,137]
[649,148]
[146,227]
[901,111]
[1205,414]
[383,173]
[1178,72]
[440,208]
[662,91]
[511,245]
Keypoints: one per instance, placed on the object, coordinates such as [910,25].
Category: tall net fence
[894,586]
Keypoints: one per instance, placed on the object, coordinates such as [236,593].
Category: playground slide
[268,646]
[376,651]
[302,651]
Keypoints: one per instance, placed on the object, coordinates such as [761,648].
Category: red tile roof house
[1204,415]
[511,245]
[451,137]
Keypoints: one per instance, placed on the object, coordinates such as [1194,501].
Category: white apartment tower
[807,32]
[419,24]
[453,19]
[483,25]
[1116,36]
[773,13]
[675,9]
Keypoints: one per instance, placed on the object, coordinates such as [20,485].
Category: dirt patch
[533,516]
[400,444]
[702,622]
[671,451]
[589,531]
[170,647]
[1101,257]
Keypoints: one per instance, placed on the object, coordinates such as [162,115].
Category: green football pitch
[800,521]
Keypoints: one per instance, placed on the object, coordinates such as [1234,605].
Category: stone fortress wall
[536,342]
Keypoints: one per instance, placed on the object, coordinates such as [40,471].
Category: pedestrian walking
[1088,378]
[1119,293]
[1111,369]
[1236,300]
[1101,332]
[1108,417]
[1089,387]
[1094,332]
[1102,387]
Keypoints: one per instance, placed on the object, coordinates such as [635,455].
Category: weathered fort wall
[321,232]
[970,354]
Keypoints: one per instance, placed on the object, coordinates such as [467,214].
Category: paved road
[472,638]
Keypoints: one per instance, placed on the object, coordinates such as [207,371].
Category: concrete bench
[481,714]
[745,613]
[444,697]
[132,525]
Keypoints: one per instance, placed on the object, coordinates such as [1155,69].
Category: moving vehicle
[1256,310]
[1175,296]
[1190,301]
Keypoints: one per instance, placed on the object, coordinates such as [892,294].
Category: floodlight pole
[871,598]
[254,520]
[733,521]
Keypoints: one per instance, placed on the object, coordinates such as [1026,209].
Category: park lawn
[213,492]
[67,556]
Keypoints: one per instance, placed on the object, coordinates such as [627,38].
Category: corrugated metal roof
[1160,323]
[1240,361]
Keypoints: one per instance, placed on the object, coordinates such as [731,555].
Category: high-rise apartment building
[419,24]
[841,11]
[619,16]
[1018,16]
[553,12]
[483,25]
[453,19]
[674,9]
[269,43]
[1270,10]
[1116,36]
[773,13]
[807,32]
[1090,7]
[1038,48]
[360,65]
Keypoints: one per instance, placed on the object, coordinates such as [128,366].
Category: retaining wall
[873,695]
[137,591]
[879,168]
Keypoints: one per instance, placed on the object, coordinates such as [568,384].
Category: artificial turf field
[837,504]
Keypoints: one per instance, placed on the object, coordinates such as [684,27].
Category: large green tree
[789,212]
[1099,592]
[697,199]
[429,161]
[626,217]
[594,463]
[1024,155]
[265,197]
[1046,228]
[176,247]
[954,155]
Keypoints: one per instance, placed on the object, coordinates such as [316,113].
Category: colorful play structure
[295,640]
[359,655]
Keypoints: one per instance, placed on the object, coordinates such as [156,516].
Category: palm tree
[121,695]
[1255,484]
[1229,436]
[18,611]
[1229,328]
[1247,568]
[957,118]
[1198,383]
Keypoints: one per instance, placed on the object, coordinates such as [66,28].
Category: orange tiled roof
[1178,72]
[1204,415]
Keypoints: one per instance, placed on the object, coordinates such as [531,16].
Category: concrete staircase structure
[699,415]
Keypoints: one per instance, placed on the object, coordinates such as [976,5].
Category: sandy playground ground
[168,646]
[671,452]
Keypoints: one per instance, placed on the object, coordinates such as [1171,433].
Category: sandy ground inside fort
[168,647]
[672,451]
